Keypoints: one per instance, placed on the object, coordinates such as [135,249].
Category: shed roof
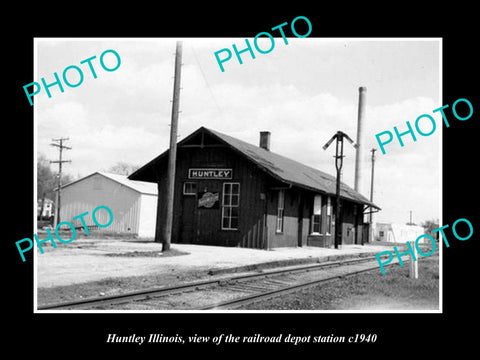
[139,186]
[280,167]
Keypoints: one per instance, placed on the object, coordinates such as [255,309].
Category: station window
[317,215]
[189,188]
[280,207]
[230,204]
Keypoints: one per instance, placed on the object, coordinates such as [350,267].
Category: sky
[303,93]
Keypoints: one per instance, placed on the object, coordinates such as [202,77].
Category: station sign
[210,173]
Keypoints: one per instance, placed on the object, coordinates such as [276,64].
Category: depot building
[232,193]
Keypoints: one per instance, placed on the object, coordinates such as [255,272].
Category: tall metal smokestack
[360,124]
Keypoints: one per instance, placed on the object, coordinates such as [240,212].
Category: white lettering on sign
[210,173]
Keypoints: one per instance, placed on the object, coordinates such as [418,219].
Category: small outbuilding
[133,203]
[232,193]
[398,233]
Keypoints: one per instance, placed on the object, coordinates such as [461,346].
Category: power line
[206,83]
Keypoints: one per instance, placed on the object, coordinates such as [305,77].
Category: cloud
[95,145]
[406,177]
[125,115]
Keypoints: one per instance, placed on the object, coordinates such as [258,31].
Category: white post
[413,264]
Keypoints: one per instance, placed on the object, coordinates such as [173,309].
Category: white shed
[398,233]
[133,203]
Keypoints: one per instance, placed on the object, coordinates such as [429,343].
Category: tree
[46,180]
[431,225]
[123,168]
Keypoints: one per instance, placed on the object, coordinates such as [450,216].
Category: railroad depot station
[232,193]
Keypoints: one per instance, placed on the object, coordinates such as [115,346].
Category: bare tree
[429,226]
[123,168]
[47,180]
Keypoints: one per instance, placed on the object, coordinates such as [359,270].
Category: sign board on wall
[208,200]
[210,173]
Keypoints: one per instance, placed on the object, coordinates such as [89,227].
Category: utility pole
[371,193]
[172,156]
[339,136]
[59,143]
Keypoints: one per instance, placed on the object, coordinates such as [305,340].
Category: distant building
[48,208]
[398,233]
[232,193]
[133,203]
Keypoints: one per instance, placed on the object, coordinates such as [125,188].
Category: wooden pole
[59,143]
[172,156]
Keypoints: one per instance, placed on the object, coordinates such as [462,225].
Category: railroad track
[227,293]
[275,291]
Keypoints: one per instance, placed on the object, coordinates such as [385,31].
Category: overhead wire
[207,83]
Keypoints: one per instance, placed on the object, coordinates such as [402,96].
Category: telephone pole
[371,193]
[59,143]
[172,156]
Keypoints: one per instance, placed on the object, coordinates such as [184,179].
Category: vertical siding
[289,236]
[252,206]
[91,192]
[348,223]
[207,222]
[148,215]
[258,204]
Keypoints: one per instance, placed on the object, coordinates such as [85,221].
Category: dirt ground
[90,267]
[370,291]
[90,259]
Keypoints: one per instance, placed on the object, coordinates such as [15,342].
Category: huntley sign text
[209,173]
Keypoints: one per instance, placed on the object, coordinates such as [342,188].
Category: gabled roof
[139,186]
[282,168]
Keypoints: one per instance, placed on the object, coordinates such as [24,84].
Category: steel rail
[246,300]
[164,291]
[249,299]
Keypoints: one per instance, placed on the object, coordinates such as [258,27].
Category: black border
[84,334]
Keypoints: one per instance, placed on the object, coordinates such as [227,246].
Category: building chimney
[265,140]
[360,124]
